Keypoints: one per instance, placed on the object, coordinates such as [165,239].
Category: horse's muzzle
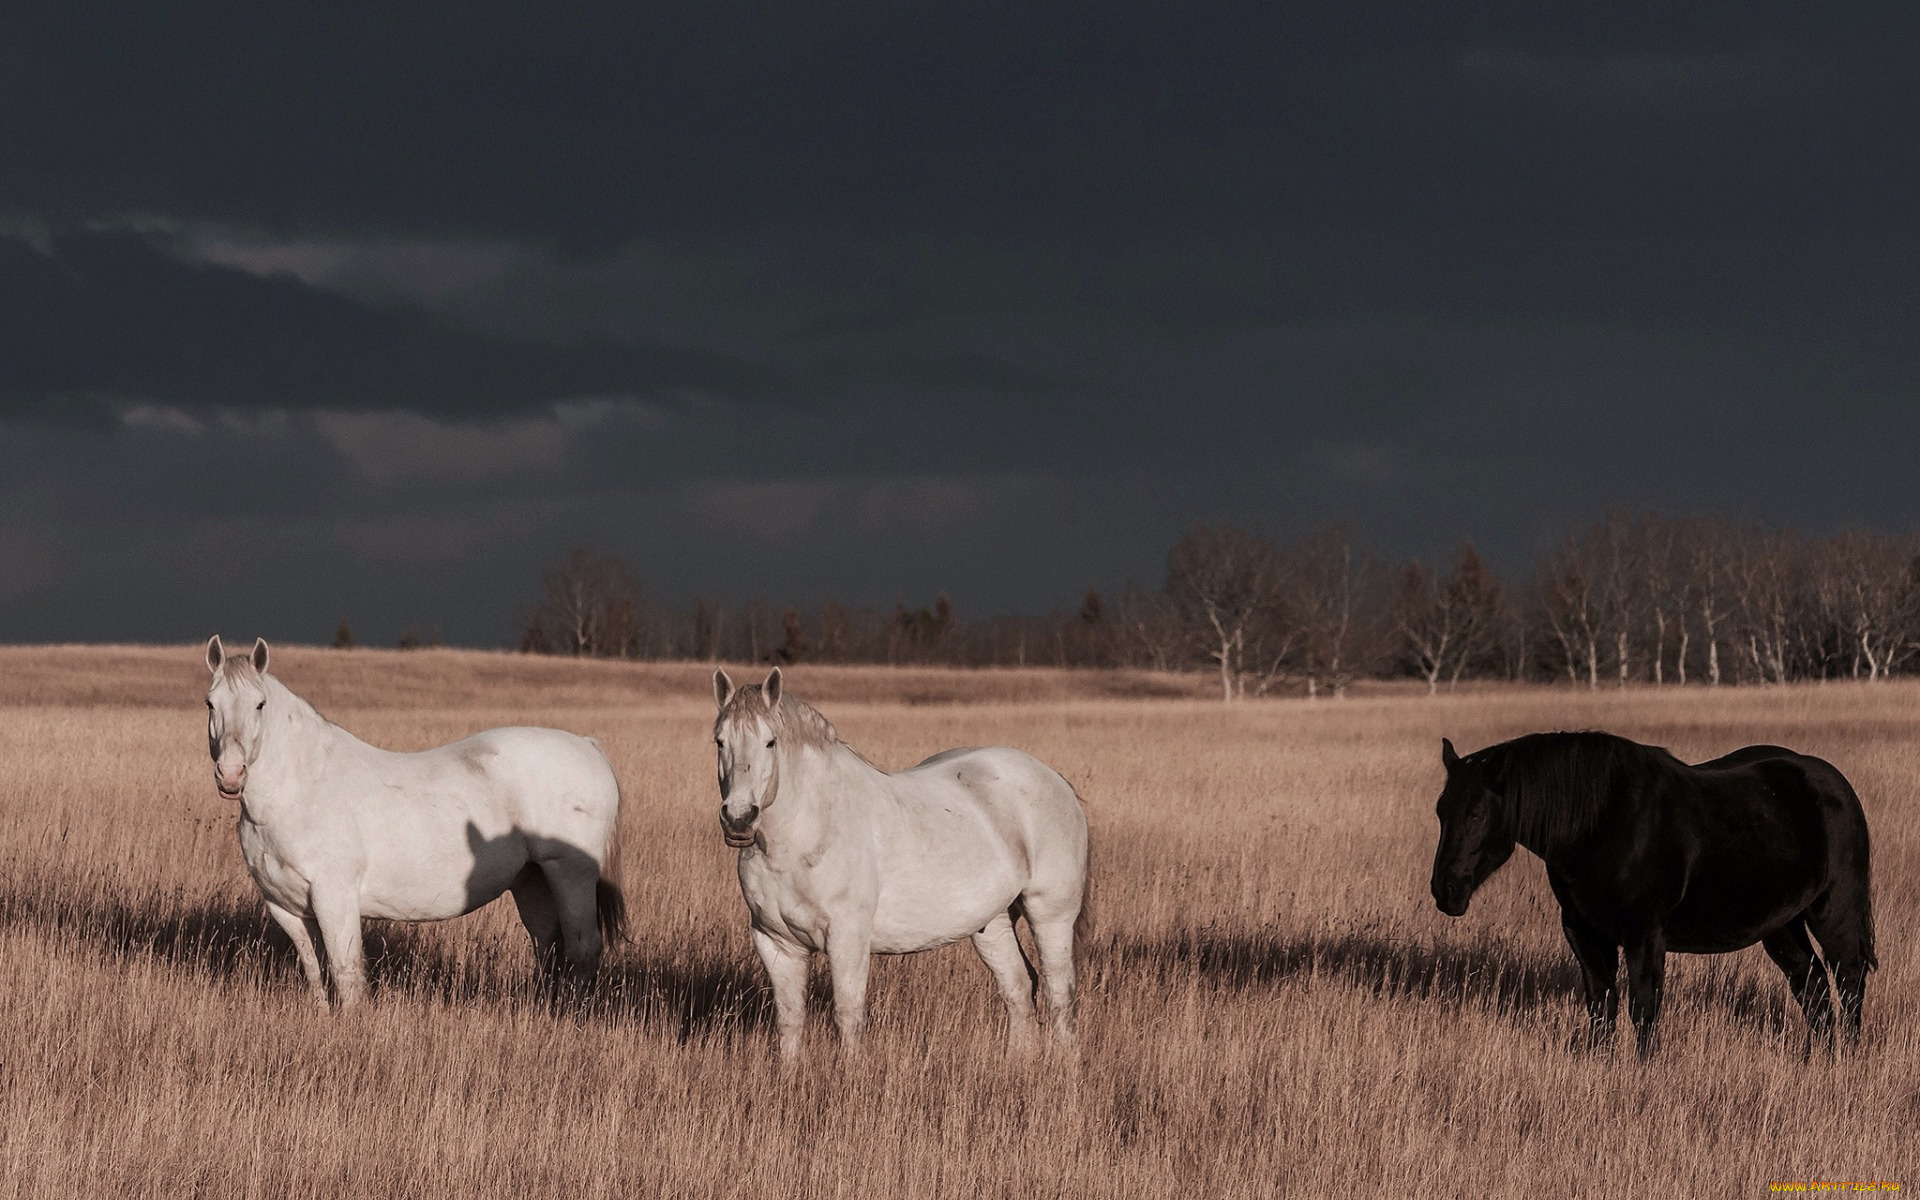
[231,787]
[1451,898]
[739,834]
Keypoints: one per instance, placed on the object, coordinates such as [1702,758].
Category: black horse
[1648,854]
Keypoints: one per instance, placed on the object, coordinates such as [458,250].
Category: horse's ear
[772,689]
[260,655]
[722,687]
[216,654]
[1447,754]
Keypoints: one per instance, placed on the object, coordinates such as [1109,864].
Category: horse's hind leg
[541,915]
[1793,954]
[999,947]
[1053,937]
[1843,925]
[574,878]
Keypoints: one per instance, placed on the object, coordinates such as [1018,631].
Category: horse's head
[1475,836]
[746,739]
[236,713]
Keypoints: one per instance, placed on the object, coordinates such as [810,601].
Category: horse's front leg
[1646,981]
[301,931]
[1599,959]
[787,970]
[337,909]
[850,954]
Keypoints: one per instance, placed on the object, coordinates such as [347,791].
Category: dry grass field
[1272,1006]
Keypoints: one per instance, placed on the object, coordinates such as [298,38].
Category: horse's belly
[939,909]
[426,874]
[1731,906]
[436,891]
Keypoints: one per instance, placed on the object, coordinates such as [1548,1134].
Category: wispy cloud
[1649,79]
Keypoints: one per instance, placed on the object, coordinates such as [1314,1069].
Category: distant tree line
[1635,599]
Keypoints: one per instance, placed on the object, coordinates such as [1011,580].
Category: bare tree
[1445,625]
[1763,580]
[590,605]
[1148,632]
[1710,556]
[1221,581]
[1869,592]
[1612,552]
[1333,579]
[1666,590]
[1568,604]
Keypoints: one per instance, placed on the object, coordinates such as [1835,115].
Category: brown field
[1271,1004]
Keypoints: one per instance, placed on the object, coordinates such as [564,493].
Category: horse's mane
[793,720]
[1557,785]
[238,668]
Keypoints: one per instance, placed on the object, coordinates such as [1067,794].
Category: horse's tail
[609,903]
[1866,914]
[1084,924]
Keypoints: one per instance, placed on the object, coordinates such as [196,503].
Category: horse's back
[1776,777]
[541,776]
[1004,781]
[1746,755]
[511,785]
[1032,811]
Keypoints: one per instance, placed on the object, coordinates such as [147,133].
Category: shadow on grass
[1469,974]
[216,935]
[1382,966]
[230,939]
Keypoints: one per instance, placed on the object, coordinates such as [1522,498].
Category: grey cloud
[102,316]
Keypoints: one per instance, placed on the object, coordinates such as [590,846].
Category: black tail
[610,906]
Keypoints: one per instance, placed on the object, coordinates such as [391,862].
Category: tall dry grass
[1272,1006]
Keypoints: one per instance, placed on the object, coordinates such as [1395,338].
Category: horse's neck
[1545,832]
[296,743]
[817,786]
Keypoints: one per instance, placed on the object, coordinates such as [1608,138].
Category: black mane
[1557,785]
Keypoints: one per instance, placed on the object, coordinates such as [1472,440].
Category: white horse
[334,830]
[838,855]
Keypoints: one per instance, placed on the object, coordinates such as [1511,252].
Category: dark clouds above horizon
[368,313]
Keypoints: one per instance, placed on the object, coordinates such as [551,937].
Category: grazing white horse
[334,830]
[838,855]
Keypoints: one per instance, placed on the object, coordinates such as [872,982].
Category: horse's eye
[209,706]
[770,742]
[259,706]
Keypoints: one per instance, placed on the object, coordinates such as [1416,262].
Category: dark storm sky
[368,311]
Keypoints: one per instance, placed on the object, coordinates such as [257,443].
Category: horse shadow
[220,936]
[1382,966]
[1477,973]
[691,990]
[226,937]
